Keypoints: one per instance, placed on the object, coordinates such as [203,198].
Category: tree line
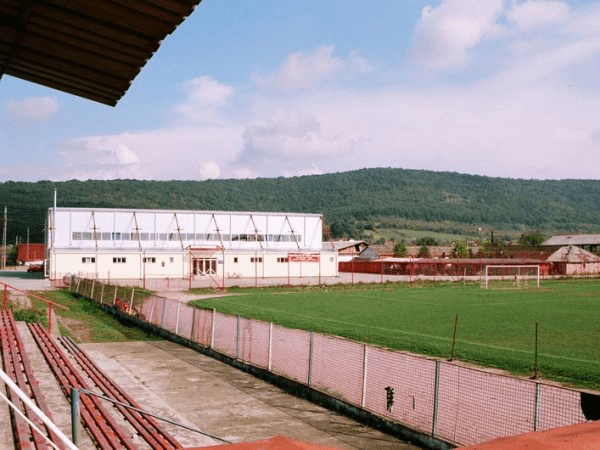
[350,201]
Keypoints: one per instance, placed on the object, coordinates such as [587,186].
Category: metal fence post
[102,294]
[363,397]
[92,292]
[537,406]
[212,331]
[164,312]
[115,296]
[177,318]
[436,398]
[270,346]
[193,326]
[131,301]
[310,358]
[152,309]
[237,338]
[75,415]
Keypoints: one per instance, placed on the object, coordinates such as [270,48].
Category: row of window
[120,259]
[97,236]
[152,259]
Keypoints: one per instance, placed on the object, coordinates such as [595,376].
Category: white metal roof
[573,239]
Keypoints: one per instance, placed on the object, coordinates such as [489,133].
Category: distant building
[137,244]
[31,253]
[589,242]
[576,261]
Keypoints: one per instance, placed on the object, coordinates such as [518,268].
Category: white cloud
[205,98]
[34,109]
[293,141]
[209,170]
[535,13]
[243,173]
[301,70]
[101,158]
[312,170]
[162,154]
[445,34]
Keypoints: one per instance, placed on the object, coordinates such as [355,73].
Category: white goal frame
[516,274]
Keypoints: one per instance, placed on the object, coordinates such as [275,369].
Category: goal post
[512,275]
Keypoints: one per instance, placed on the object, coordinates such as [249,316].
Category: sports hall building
[137,244]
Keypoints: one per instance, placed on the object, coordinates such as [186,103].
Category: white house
[139,244]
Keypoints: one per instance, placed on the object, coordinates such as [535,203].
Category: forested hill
[350,198]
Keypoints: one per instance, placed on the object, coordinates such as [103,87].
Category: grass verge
[86,322]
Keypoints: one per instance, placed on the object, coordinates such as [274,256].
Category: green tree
[424,252]
[427,240]
[531,237]
[401,250]
[460,249]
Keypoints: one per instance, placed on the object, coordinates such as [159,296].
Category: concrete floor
[192,389]
[196,390]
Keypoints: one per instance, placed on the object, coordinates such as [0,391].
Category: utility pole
[4,239]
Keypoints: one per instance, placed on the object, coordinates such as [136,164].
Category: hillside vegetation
[367,200]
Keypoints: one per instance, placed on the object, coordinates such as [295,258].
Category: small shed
[576,261]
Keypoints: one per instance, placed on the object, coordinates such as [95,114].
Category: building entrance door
[204,266]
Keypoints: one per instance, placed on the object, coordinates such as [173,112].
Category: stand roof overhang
[92,49]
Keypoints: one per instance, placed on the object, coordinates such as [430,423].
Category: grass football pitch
[496,328]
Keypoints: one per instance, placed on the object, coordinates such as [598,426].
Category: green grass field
[496,328]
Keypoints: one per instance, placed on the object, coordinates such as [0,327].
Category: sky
[247,89]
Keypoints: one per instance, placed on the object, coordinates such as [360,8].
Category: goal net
[512,277]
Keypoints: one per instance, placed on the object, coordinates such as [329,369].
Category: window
[255,260]
[235,259]
[116,236]
[282,260]
[149,259]
[86,236]
[88,259]
[76,236]
[106,237]
[171,259]
[119,260]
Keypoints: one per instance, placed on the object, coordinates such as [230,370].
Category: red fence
[442,399]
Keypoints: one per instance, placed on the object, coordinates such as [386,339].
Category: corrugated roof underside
[92,49]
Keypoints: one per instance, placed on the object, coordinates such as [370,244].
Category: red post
[50,318]
[5,298]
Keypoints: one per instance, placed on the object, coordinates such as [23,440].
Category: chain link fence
[442,399]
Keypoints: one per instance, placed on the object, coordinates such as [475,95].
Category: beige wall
[121,264]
